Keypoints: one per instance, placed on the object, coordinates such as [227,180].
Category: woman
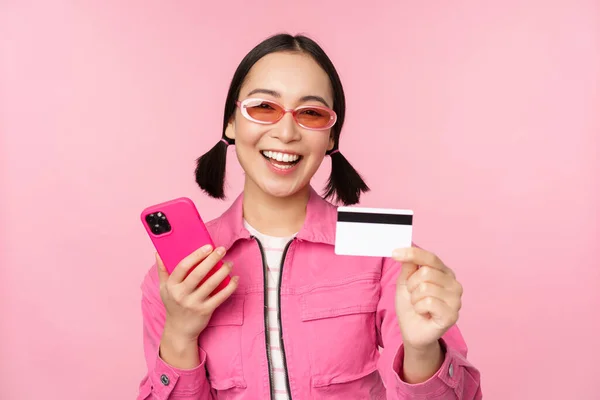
[297,321]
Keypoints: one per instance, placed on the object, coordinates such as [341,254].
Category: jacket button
[451,370]
[164,379]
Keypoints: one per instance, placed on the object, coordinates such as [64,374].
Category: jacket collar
[319,225]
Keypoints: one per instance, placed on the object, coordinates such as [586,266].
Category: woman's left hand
[428,297]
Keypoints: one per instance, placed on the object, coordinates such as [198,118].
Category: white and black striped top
[273,248]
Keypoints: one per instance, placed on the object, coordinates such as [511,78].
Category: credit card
[373,232]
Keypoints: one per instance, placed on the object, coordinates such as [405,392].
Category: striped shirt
[273,248]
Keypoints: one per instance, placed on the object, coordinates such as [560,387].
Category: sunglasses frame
[243,105]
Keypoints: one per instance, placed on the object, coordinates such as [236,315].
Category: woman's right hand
[189,306]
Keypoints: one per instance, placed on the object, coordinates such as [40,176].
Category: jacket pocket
[339,320]
[221,341]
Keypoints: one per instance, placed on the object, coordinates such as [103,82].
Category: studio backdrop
[481,116]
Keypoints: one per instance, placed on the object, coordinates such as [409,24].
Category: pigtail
[345,184]
[210,169]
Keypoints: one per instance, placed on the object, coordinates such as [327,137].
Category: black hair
[345,184]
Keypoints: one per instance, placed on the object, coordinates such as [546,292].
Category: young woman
[296,320]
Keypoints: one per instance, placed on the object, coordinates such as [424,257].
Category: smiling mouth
[281,160]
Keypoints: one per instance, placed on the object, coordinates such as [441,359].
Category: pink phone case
[176,230]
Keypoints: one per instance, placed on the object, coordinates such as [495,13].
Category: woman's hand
[428,298]
[189,306]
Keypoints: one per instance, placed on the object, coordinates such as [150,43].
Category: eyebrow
[278,95]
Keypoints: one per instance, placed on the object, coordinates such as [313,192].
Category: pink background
[480,115]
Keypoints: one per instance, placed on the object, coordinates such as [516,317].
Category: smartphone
[177,230]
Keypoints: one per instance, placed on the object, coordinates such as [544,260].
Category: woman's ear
[331,143]
[230,130]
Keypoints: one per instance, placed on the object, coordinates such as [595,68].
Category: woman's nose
[287,129]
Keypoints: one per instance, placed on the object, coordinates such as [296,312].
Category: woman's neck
[274,216]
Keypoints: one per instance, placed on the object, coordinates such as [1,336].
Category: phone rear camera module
[158,223]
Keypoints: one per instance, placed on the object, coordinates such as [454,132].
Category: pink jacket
[336,311]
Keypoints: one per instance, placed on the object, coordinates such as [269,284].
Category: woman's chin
[281,189]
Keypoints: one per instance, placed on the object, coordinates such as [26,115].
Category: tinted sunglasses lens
[315,118]
[264,111]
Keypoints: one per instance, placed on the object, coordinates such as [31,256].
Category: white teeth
[281,157]
[284,166]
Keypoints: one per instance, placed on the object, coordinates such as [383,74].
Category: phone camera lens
[158,223]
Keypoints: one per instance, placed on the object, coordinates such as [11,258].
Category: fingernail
[206,248]
[220,251]
[236,279]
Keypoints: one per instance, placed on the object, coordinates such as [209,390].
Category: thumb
[406,270]
[163,275]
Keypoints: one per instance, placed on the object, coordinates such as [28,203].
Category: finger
[407,270]
[431,275]
[183,268]
[211,283]
[426,289]
[421,257]
[163,275]
[213,302]
[192,281]
[438,311]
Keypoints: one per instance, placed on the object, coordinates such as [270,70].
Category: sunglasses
[269,112]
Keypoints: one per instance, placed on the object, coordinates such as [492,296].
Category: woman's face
[281,158]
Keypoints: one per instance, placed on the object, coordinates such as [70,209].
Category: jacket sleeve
[456,379]
[163,381]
